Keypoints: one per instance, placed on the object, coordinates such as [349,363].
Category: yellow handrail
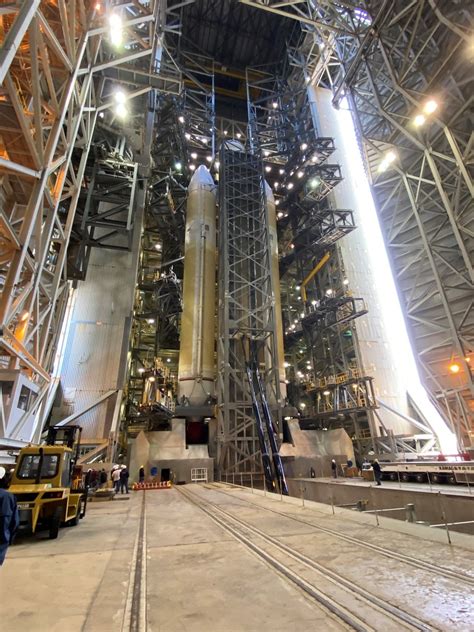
[321,263]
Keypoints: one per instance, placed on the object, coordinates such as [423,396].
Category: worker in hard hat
[9,519]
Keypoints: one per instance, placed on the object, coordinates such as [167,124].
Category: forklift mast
[69,436]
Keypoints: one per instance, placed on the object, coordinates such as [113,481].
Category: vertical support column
[247,325]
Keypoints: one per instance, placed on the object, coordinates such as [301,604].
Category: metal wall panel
[383,340]
[98,333]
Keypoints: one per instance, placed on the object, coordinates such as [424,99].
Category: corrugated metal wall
[97,344]
[377,340]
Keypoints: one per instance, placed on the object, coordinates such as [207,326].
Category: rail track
[352,605]
[442,571]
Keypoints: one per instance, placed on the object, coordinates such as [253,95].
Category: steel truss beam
[50,59]
[388,60]
[320,336]
[106,217]
[246,310]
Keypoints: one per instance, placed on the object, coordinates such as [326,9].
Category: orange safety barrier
[152,485]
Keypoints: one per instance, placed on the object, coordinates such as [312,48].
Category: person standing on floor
[124,479]
[116,479]
[141,474]
[377,471]
[334,468]
[103,478]
[9,518]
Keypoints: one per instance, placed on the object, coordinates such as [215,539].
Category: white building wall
[384,345]
[95,354]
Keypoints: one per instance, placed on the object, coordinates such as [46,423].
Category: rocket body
[196,372]
[275,272]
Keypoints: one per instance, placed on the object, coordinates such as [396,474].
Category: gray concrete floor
[200,579]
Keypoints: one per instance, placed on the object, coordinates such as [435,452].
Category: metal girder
[320,335]
[105,216]
[246,309]
[388,59]
[48,114]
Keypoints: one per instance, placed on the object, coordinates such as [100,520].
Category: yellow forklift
[48,484]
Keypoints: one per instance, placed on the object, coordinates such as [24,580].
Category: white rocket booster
[196,372]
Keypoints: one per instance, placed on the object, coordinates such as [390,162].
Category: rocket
[275,272]
[196,372]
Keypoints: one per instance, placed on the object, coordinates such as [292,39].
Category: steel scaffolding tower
[247,331]
[390,59]
[184,135]
[58,70]
[320,336]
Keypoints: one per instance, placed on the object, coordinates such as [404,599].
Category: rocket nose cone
[201,178]
[269,193]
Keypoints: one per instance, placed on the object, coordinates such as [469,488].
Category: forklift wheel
[55,523]
[75,521]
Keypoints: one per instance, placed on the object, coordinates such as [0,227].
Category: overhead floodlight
[300,174]
[158,246]
[178,166]
[181,119]
[329,292]
[314,183]
[225,132]
[346,282]
[419,120]
[430,106]
[290,186]
[150,321]
[116,29]
[277,202]
[268,168]
[187,136]
[327,393]
[280,215]
[192,167]
[239,135]
[388,159]
[266,152]
[304,146]
[209,158]
[281,171]
[454,367]
[120,96]
[194,155]
[274,105]
[121,110]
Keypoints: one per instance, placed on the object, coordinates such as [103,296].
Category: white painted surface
[385,348]
[92,359]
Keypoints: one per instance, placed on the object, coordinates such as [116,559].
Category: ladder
[274,476]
